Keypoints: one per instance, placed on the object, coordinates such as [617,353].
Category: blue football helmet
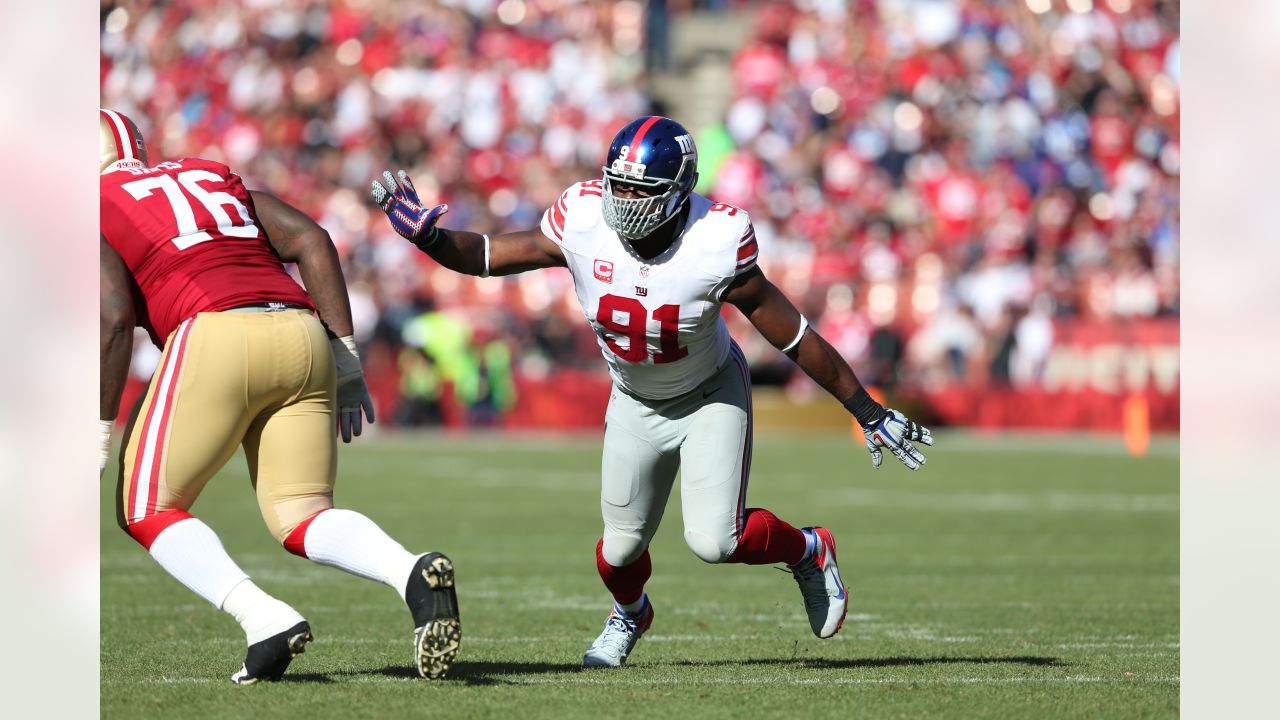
[655,154]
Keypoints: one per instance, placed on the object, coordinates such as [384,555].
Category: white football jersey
[658,320]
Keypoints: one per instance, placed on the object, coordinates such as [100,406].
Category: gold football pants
[261,379]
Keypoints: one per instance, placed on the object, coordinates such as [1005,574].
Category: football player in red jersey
[252,359]
[652,263]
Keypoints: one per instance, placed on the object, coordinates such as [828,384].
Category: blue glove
[399,200]
[895,433]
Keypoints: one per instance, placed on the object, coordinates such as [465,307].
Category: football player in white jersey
[652,263]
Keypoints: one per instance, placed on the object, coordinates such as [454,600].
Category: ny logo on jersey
[686,144]
[603,270]
[642,291]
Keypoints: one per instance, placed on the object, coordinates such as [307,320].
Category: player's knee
[710,549]
[287,520]
[622,550]
[147,529]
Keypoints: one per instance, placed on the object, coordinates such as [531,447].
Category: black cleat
[434,604]
[268,659]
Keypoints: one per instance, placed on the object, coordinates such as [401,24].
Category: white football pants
[706,434]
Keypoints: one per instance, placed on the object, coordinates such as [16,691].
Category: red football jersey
[189,234]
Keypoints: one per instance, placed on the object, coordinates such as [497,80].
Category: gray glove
[353,394]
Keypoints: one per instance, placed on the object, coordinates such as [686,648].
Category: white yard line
[980,501]
[634,680]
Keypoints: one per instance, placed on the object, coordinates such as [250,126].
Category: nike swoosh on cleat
[839,582]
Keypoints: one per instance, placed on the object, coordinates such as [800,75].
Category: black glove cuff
[864,408]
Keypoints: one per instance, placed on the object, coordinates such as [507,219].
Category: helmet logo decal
[626,167]
[686,144]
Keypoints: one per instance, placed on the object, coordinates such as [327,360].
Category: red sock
[626,583]
[766,540]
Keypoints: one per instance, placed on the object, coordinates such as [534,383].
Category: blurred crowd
[937,183]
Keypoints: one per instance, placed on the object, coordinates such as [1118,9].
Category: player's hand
[897,434]
[353,393]
[399,200]
[104,445]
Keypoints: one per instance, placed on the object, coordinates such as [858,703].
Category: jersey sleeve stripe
[550,224]
[748,250]
[557,214]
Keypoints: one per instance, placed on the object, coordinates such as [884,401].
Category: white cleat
[621,633]
[826,599]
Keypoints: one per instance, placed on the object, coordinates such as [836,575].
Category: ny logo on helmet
[686,144]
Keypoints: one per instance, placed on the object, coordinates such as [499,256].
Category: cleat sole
[439,573]
[436,639]
[436,645]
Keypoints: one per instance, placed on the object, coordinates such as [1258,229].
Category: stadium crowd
[935,181]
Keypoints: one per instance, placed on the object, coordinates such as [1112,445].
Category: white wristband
[486,257]
[804,325]
[346,358]
[104,444]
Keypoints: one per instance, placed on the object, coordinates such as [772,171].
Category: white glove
[353,394]
[896,433]
[104,445]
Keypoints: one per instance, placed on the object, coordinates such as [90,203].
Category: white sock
[349,541]
[633,609]
[191,552]
[258,613]
[810,544]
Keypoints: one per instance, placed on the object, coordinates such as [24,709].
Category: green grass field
[1020,577]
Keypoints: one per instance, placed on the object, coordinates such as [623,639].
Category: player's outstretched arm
[115,306]
[781,323]
[464,252]
[298,239]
